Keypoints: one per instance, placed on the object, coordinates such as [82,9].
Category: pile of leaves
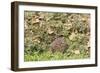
[41,28]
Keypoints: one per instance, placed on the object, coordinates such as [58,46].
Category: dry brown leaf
[72,36]
[50,31]
[77,52]
[37,20]
[36,40]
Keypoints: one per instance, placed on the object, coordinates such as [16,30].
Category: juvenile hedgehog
[58,45]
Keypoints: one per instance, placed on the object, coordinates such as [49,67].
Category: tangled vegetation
[42,28]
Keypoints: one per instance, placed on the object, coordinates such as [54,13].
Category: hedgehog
[58,45]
